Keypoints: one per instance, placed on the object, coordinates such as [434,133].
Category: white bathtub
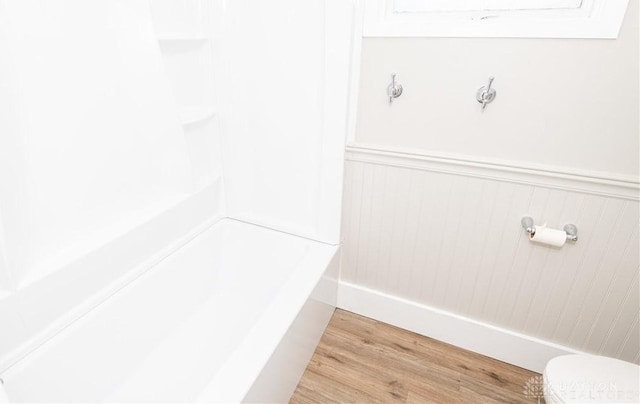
[119,279]
[234,315]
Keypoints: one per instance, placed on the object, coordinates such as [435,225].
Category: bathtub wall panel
[180,18]
[283,98]
[98,177]
[13,191]
[96,140]
[447,234]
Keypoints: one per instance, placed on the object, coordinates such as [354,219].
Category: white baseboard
[508,346]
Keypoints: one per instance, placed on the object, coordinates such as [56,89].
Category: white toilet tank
[591,379]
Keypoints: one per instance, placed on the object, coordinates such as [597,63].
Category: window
[412,6]
[495,18]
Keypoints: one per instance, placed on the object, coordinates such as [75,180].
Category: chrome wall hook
[486,94]
[394,90]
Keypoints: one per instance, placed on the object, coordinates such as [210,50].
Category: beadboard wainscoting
[434,244]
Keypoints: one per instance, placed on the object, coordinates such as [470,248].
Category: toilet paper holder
[570,229]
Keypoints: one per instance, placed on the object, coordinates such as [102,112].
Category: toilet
[3,396]
[590,379]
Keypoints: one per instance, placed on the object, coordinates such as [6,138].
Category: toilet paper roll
[552,237]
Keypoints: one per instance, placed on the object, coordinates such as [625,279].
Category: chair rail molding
[583,181]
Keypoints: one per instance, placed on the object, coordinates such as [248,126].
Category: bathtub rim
[234,379]
[303,277]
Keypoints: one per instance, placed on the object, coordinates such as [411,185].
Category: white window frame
[479,5]
[494,18]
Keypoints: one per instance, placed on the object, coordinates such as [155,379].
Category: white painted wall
[435,190]
[565,103]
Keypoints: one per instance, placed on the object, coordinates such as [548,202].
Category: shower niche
[188,41]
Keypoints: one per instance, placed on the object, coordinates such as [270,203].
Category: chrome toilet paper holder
[570,229]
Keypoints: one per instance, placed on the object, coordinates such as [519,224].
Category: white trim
[595,19]
[354,70]
[588,182]
[495,342]
[338,28]
[430,6]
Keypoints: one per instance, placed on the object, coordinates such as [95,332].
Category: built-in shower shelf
[196,113]
[182,38]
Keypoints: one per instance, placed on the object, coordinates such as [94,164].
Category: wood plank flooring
[360,360]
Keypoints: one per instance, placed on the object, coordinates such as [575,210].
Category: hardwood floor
[360,360]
